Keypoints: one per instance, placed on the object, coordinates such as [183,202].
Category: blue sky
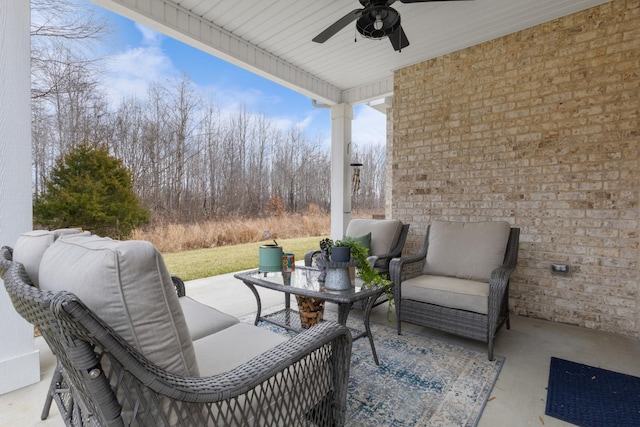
[138,55]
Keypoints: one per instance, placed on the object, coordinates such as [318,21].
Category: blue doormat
[592,397]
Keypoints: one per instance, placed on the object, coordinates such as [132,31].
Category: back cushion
[384,233]
[128,286]
[467,250]
[31,245]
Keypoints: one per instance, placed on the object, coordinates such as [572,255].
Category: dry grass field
[193,251]
[169,238]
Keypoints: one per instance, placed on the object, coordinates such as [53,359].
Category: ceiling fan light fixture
[379,22]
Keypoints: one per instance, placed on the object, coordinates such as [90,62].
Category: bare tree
[189,161]
[59,26]
[67,107]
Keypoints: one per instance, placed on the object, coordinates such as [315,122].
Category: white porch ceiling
[273,38]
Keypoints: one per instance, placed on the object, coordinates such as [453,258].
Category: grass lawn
[199,263]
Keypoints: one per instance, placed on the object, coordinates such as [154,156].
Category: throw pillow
[364,240]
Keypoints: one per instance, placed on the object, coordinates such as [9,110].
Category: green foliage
[366,272]
[90,189]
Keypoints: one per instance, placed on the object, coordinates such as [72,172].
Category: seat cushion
[30,247]
[202,319]
[384,233]
[128,286]
[462,294]
[467,250]
[232,347]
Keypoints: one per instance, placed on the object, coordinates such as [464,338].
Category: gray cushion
[463,294]
[128,286]
[468,250]
[232,347]
[384,233]
[239,344]
[30,247]
[203,320]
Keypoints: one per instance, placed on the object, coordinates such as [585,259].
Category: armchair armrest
[372,260]
[6,257]
[179,285]
[409,266]
[246,376]
[498,287]
[405,268]
[241,395]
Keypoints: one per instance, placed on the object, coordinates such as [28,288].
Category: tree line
[189,160]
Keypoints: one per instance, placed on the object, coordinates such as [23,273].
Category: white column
[341,118]
[19,362]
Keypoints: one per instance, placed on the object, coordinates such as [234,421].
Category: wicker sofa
[129,354]
[459,280]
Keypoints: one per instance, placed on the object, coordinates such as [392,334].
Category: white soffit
[273,38]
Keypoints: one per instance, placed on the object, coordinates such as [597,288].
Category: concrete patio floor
[518,398]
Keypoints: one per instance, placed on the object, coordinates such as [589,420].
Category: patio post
[19,362]
[341,118]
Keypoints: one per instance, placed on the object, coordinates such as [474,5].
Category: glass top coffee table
[303,282]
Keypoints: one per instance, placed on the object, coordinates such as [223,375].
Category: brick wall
[539,128]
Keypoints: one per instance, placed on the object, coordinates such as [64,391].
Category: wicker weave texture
[302,382]
[460,322]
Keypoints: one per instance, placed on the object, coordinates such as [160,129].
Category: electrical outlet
[560,268]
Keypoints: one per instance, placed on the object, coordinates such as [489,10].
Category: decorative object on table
[288,262]
[359,255]
[288,267]
[340,253]
[270,258]
[311,310]
[337,277]
[325,254]
[589,396]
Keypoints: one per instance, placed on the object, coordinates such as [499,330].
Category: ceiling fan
[376,20]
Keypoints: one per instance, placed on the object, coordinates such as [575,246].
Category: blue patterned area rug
[421,381]
[592,397]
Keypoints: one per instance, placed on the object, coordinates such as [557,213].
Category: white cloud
[369,126]
[149,36]
[130,72]
[232,98]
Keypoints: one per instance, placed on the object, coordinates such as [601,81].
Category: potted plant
[369,276]
[340,252]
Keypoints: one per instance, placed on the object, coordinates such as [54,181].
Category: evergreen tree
[90,189]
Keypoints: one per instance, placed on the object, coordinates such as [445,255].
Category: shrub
[92,190]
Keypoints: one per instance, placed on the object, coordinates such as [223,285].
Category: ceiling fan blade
[399,39]
[337,26]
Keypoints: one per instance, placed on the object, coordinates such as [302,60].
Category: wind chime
[355,177]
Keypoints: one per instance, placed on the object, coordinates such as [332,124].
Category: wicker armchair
[387,238]
[300,382]
[425,302]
